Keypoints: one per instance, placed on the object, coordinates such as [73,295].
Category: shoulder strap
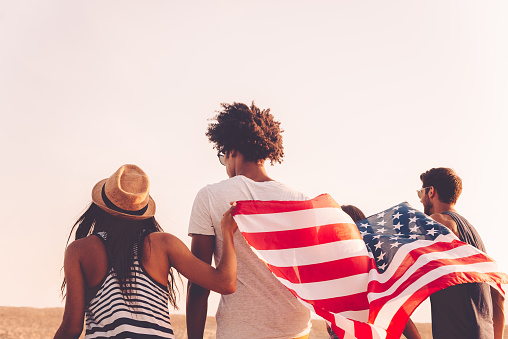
[102,235]
[467,233]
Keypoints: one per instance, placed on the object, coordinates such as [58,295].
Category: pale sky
[370,95]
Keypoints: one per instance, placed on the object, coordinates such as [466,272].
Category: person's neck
[440,207]
[253,171]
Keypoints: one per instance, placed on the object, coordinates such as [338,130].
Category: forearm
[227,266]
[197,307]
[498,317]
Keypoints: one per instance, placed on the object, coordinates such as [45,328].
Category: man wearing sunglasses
[463,311]
[244,137]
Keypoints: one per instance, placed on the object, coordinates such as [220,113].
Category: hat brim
[97,199]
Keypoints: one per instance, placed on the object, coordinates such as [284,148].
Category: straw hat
[125,194]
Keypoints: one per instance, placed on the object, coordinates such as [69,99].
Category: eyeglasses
[421,191]
[222,158]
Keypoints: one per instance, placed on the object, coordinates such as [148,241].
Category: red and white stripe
[317,252]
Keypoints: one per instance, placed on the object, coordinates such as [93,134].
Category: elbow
[229,287]
[69,331]
[229,291]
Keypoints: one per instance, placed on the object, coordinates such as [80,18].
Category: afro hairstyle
[251,131]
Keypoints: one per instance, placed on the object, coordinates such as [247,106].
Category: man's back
[261,306]
[463,311]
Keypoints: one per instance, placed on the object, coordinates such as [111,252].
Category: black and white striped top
[108,315]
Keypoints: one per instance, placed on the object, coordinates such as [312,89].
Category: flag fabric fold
[365,279]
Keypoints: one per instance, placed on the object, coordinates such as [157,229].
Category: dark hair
[251,131]
[354,212]
[124,241]
[445,181]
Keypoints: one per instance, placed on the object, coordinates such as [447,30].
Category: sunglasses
[421,191]
[222,158]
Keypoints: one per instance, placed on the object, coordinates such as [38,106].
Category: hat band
[112,206]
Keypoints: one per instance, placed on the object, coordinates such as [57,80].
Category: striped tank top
[109,315]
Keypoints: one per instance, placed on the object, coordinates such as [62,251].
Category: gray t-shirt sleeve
[201,219]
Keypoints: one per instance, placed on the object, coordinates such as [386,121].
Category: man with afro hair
[244,137]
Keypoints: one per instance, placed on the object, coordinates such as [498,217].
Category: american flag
[364,279]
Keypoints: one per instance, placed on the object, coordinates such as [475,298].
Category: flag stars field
[412,225]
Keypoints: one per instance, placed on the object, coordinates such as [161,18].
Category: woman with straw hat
[118,271]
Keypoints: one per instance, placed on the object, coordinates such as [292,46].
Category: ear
[432,192]
[232,153]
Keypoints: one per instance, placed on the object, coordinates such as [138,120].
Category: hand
[227,223]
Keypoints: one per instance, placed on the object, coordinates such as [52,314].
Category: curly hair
[445,181]
[251,131]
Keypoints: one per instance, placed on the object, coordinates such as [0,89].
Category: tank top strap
[102,235]
[467,233]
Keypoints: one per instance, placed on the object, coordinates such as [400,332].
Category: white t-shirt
[261,307]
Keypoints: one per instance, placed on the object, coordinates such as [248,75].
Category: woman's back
[142,310]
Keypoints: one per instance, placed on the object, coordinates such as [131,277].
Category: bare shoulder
[445,220]
[84,250]
[86,244]
[163,239]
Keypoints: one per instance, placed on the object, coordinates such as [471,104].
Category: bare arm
[72,322]
[498,318]
[202,277]
[202,247]
[221,279]
[411,332]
